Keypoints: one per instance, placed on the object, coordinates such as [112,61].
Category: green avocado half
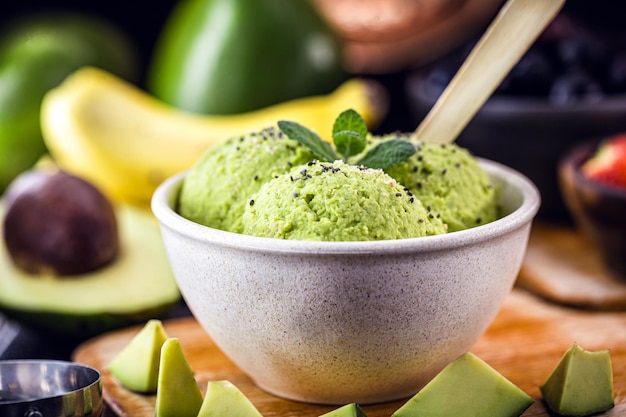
[136,286]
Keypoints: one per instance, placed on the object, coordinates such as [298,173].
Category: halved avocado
[136,286]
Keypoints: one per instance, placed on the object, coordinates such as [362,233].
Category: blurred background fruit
[233,56]
[36,53]
[127,141]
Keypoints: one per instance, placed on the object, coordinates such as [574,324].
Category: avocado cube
[178,394]
[348,410]
[136,366]
[581,383]
[222,398]
[467,387]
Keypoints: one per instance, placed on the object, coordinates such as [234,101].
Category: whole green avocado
[233,56]
[37,52]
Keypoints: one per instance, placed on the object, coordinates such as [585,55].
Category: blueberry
[584,49]
[532,76]
[616,77]
[574,86]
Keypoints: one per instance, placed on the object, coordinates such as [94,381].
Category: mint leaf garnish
[350,138]
[310,139]
[349,134]
[387,154]
[352,121]
[348,144]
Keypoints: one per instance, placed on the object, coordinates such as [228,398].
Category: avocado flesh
[348,410]
[136,366]
[467,387]
[178,394]
[136,286]
[581,384]
[222,398]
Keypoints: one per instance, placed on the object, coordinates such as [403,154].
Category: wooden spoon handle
[512,32]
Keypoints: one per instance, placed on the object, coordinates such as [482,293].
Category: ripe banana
[126,142]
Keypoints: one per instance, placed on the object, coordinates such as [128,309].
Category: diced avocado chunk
[348,410]
[178,394]
[467,387]
[581,383]
[136,367]
[222,399]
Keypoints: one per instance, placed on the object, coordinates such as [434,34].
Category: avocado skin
[233,56]
[37,52]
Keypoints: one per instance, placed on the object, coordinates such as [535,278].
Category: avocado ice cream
[449,181]
[337,202]
[218,187]
[254,184]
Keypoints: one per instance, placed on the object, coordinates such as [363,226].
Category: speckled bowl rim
[165,196]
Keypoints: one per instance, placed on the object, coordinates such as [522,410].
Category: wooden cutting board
[524,343]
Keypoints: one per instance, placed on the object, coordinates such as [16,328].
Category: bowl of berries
[593,182]
[568,87]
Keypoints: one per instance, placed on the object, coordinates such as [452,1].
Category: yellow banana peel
[127,142]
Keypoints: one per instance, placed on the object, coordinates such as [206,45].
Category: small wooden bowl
[598,210]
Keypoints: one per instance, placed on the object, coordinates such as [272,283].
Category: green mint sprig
[349,134]
[350,138]
[387,154]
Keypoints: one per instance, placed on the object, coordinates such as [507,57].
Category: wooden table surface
[524,343]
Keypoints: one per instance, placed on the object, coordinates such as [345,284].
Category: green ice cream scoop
[337,202]
[220,184]
[448,179]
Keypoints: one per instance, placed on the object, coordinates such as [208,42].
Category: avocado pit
[58,224]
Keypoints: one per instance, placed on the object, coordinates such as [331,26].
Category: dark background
[143,19]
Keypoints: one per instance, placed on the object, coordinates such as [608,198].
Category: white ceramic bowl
[341,322]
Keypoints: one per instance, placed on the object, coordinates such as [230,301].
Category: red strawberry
[608,165]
